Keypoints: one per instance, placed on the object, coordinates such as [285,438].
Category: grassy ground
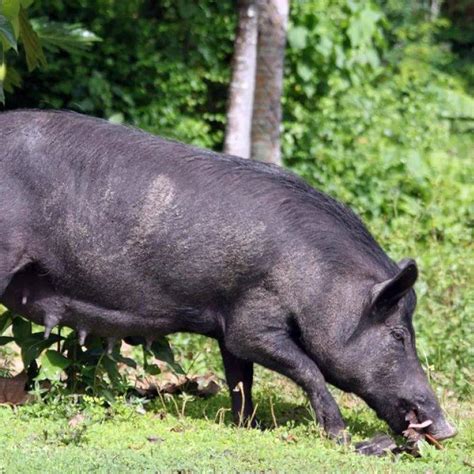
[183,434]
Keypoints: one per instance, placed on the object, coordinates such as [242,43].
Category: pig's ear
[386,294]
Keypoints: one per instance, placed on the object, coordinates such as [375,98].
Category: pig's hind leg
[257,331]
[12,260]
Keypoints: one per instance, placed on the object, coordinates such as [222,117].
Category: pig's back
[116,210]
[125,211]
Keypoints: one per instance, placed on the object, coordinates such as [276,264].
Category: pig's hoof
[379,445]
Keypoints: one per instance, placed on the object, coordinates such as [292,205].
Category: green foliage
[72,368]
[163,71]
[15,26]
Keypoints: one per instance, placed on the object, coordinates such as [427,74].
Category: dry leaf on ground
[76,420]
[13,389]
[198,385]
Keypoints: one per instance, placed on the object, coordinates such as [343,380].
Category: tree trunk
[435,9]
[273,21]
[241,95]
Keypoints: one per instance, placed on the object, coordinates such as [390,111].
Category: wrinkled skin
[117,233]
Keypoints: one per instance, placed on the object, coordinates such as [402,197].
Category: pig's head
[380,363]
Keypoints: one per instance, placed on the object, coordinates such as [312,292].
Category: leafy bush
[171,77]
[33,35]
[91,368]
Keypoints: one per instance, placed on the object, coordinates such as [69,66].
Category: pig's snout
[441,429]
[427,408]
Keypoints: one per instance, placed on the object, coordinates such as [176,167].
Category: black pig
[119,233]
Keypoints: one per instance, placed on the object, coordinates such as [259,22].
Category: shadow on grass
[271,413]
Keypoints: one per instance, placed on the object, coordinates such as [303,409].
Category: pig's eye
[398,334]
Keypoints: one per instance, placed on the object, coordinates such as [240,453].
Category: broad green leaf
[297,37]
[161,349]
[117,118]
[33,50]
[34,345]
[52,365]
[26,3]
[21,330]
[353,5]
[415,164]
[7,34]
[3,66]
[304,71]
[152,369]
[6,320]
[5,340]
[324,47]
[126,360]
[455,104]
[11,9]
[362,27]
[111,368]
[372,58]
[107,394]
[72,38]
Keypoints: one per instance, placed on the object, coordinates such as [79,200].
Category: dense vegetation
[378,112]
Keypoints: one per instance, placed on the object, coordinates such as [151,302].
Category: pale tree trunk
[435,8]
[273,22]
[241,94]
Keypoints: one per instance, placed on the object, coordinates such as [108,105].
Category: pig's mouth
[420,427]
[423,422]
[417,421]
[415,432]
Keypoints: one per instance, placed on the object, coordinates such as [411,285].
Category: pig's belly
[35,299]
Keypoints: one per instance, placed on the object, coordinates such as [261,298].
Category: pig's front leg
[239,376]
[259,338]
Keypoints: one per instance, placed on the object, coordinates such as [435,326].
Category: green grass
[200,437]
